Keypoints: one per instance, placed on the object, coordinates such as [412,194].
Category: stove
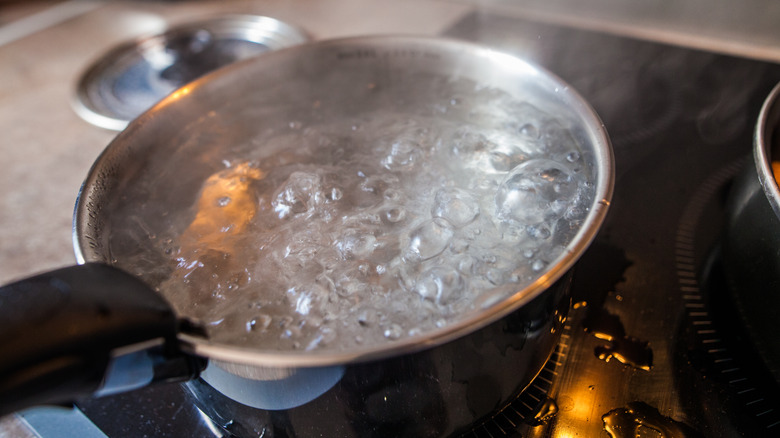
[652,345]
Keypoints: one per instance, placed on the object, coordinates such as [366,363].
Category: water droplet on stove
[579,304]
[638,417]
[546,412]
[628,351]
[625,349]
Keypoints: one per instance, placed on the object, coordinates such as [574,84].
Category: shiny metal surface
[751,247]
[130,78]
[227,95]
[763,148]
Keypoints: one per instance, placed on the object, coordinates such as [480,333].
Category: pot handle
[81,331]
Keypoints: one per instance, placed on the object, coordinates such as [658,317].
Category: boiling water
[336,229]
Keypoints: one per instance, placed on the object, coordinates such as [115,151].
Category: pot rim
[768,120]
[604,184]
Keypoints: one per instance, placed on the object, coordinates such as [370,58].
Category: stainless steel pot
[751,246]
[435,384]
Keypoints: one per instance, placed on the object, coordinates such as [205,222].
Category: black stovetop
[651,346]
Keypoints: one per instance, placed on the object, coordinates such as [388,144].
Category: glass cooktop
[651,346]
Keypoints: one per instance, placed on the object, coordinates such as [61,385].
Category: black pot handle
[81,331]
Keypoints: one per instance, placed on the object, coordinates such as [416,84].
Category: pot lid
[129,79]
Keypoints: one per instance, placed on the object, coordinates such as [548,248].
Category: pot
[93,329]
[751,244]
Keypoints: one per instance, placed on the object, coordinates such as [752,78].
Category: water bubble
[429,239]
[458,246]
[298,194]
[394,222]
[529,130]
[259,323]
[457,206]
[556,138]
[367,317]
[538,265]
[373,189]
[511,232]
[392,194]
[404,153]
[335,194]
[489,258]
[394,332]
[356,245]
[539,232]
[575,213]
[495,276]
[395,214]
[500,161]
[348,285]
[465,264]
[468,142]
[527,193]
[441,284]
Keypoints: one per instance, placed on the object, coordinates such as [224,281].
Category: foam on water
[341,229]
